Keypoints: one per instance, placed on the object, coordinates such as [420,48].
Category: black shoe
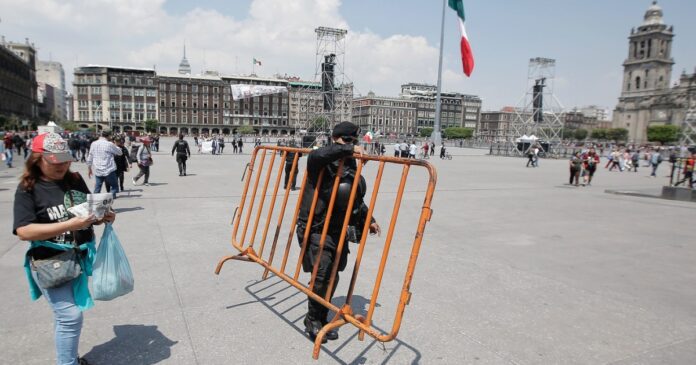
[312,328]
[331,335]
[184,174]
[180,174]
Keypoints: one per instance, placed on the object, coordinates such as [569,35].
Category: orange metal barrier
[245,244]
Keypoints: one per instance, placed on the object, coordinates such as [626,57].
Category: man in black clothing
[122,163]
[288,167]
[345,140]
[183,152]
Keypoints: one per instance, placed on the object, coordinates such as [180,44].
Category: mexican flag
[467,55]
[257,62]
[368,137]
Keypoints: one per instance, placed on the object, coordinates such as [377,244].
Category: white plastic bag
[111,275]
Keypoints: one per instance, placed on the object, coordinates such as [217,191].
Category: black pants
[181,161]
[574,175]
[531,160]
[288,167]
[316,311]
[119,175]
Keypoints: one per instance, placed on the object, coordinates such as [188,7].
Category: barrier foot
[322,333]
[242,256]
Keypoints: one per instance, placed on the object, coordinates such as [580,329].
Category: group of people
[217,144]
[19,142]
[583,164]
[626,159]
[411,150]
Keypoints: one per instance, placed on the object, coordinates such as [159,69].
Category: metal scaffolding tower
[328,100]
[539,113]
[688,137]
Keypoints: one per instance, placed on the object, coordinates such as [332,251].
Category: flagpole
[436,128]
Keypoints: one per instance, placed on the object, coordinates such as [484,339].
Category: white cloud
[140,33]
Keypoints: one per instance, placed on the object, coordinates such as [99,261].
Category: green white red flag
[467,55]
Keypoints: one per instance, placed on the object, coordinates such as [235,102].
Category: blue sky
[587,38]
[390,42]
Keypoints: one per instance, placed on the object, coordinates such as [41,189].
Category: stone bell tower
[646,91]
[648,67]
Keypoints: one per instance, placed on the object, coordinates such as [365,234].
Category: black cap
[344,129]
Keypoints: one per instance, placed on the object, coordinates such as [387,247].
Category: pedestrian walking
[181,148]
[144,156]
[590,161]
[326,159]
[46,190]
[221,145]
[289,158]
[240,144]
[530,157]
[575,167]
[635,159]
[443,151]
[9,145]
[123,163]
[688,171]
[397,149]
[655,161]
[412,150]
[234,145]
[101,164]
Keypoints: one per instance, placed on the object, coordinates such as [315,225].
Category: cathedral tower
[648,67]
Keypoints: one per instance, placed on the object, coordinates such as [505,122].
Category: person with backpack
[183,152]
[635,159]
[324,161]
[144,157]
[655,161]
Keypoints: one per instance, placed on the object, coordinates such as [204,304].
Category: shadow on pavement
[158,184]
[133,344]
[360,305]
[124,210]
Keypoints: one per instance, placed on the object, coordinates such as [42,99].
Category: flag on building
[257,62]
[467,55]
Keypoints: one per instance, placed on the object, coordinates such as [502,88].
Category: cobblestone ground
[516,268]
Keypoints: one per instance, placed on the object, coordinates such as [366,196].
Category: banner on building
[243,91]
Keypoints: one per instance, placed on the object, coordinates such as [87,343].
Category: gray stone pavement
[515,268]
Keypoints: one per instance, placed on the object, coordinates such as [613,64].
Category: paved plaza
[516,268]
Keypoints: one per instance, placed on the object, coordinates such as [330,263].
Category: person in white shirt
[397,149]
[412,150]
[101,164]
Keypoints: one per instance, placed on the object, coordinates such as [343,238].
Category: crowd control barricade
[263,210]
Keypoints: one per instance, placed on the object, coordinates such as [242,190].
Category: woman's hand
[78,223]
[109,217]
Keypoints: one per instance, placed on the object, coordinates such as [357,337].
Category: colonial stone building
[647,96]
[386,115]
[123,98]
[458,110]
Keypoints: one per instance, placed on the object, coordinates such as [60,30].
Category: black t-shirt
[48,203]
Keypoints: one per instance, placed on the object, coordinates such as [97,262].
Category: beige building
[385,115]
[647,97]
[458,110]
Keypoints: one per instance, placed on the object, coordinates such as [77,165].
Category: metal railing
[256,197]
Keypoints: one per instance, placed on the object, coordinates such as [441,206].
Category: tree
[663,133]
[458,133]
[617,134]
[580,134]
[567,133]
[426,132]
[599,134]
[69,126]
[151,125]
[245,129]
